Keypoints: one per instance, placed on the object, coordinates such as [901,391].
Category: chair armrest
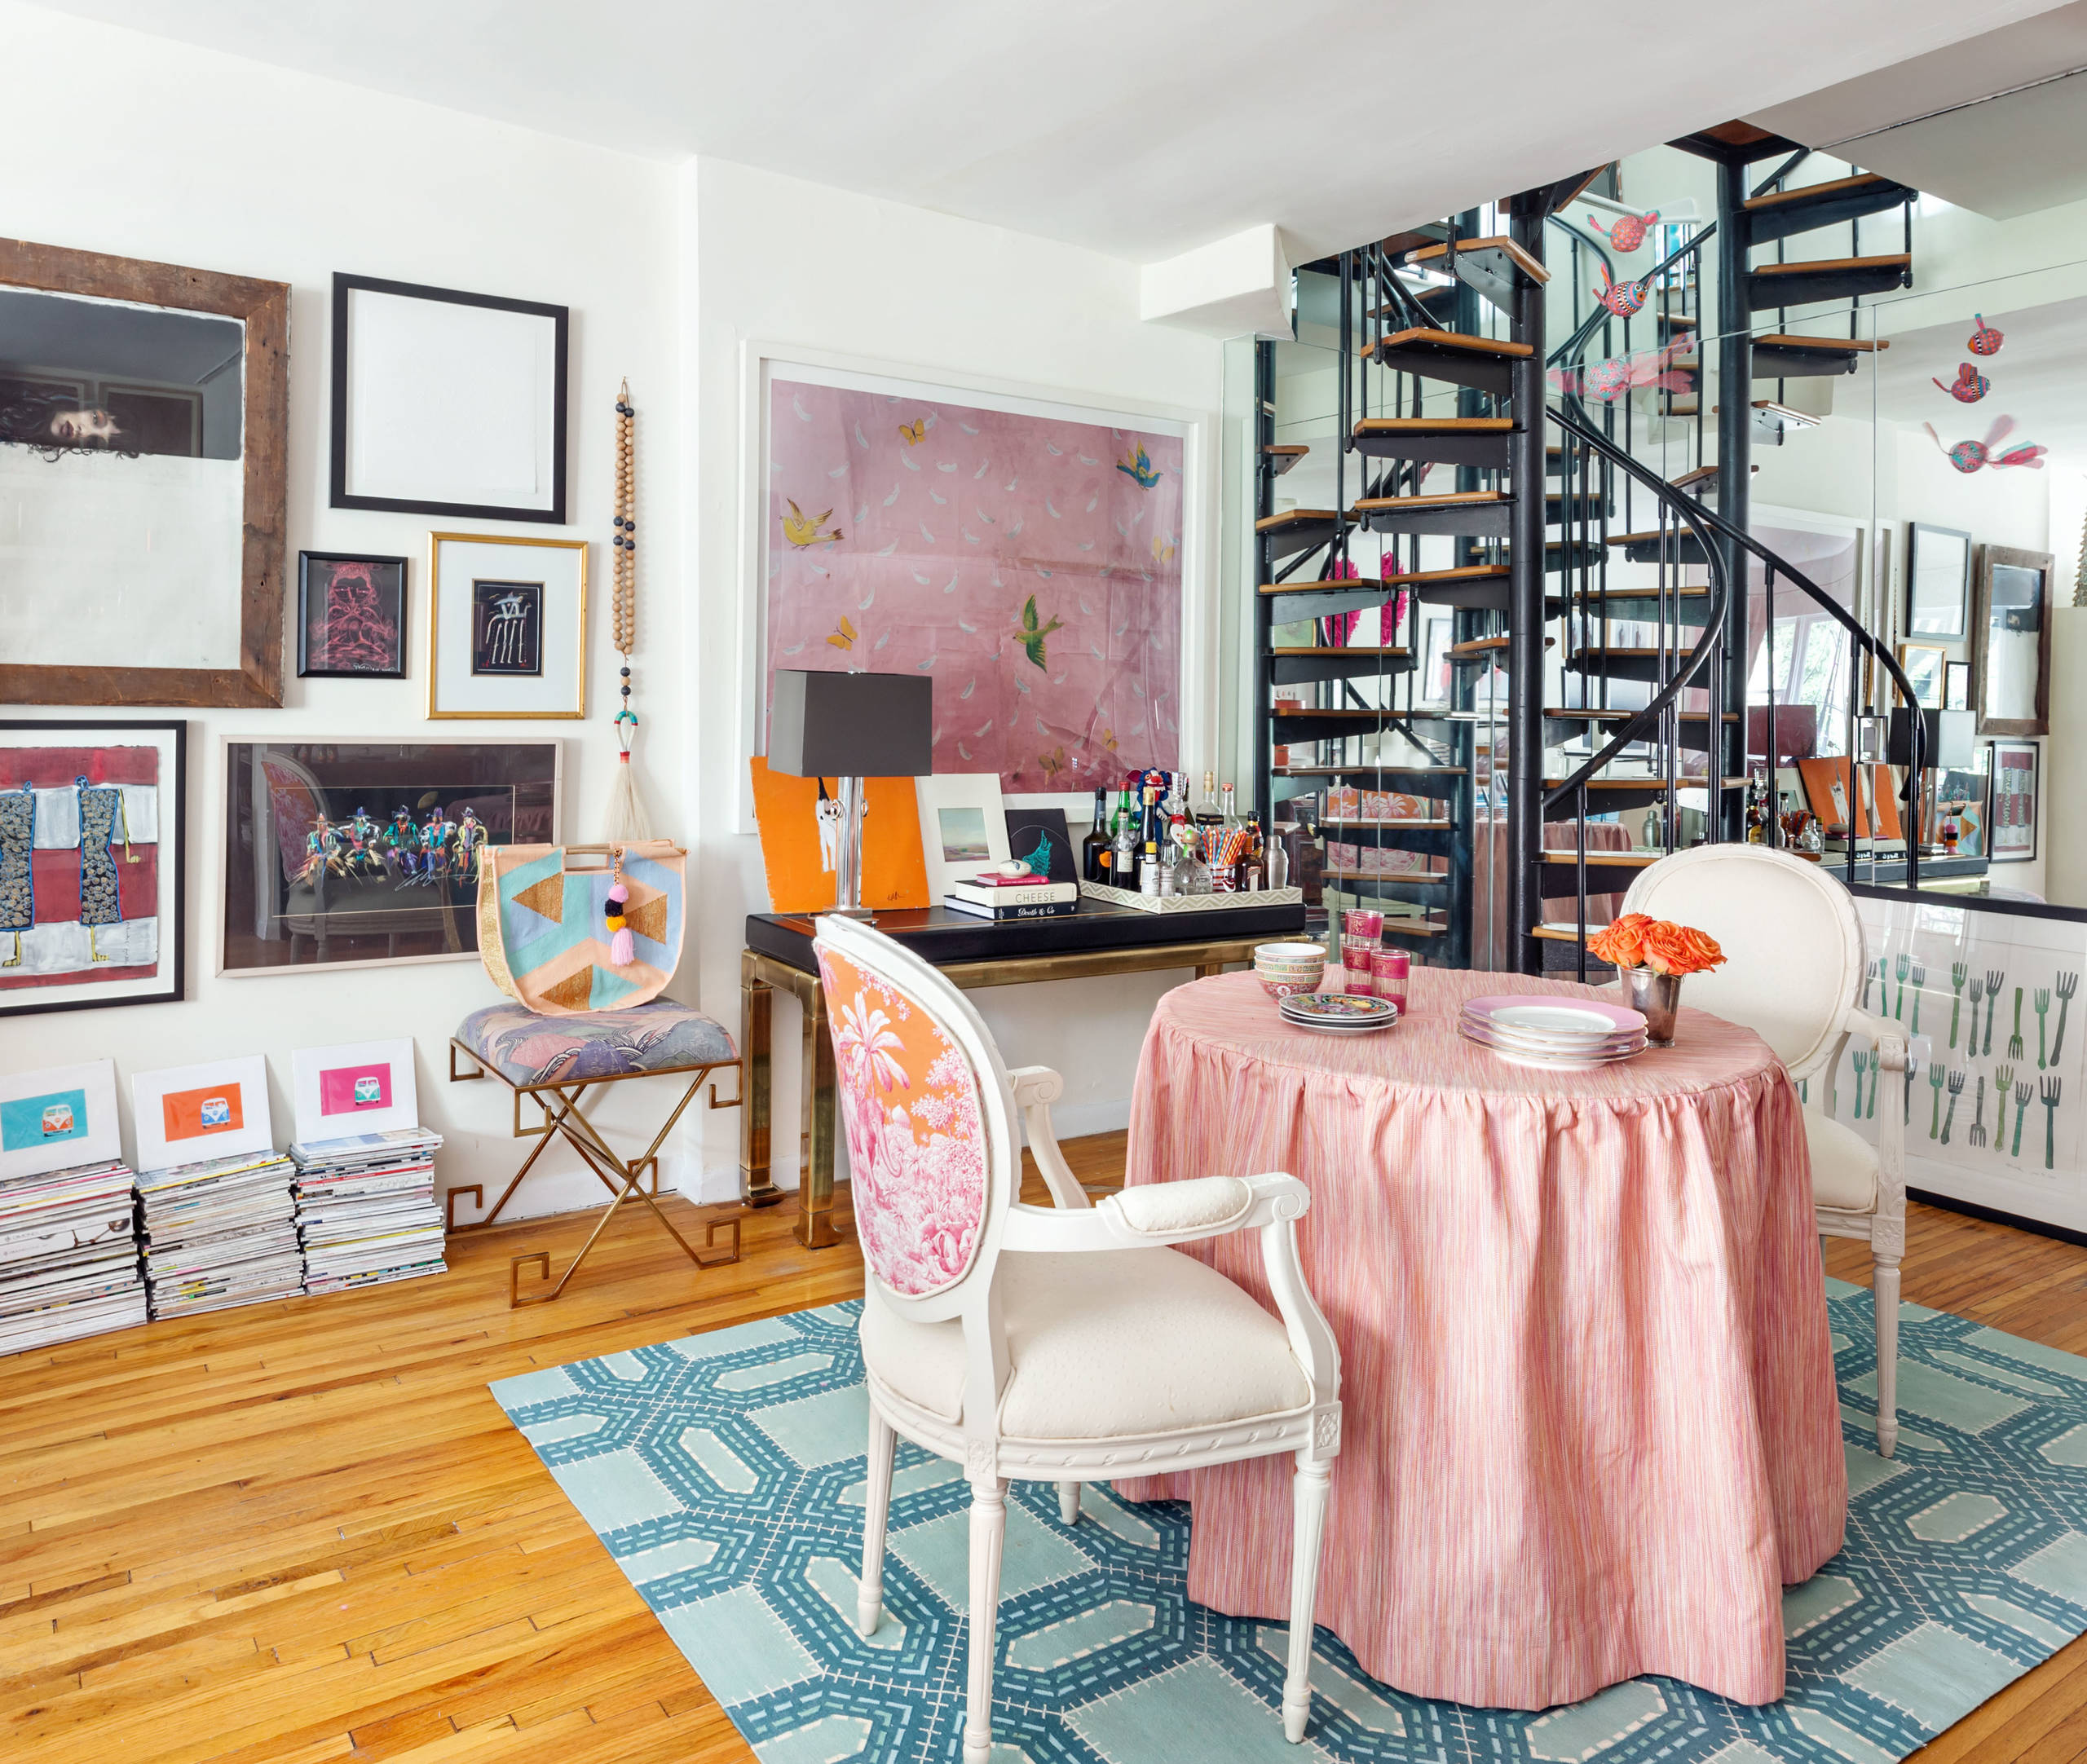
[1886,1036]
[1036,1088]
[1888,1226]
[1161,1212]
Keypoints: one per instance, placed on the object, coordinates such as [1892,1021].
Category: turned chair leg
[1311,1503]
[876,1508]
[1069,1502]
[989,1526]
[1884,1291]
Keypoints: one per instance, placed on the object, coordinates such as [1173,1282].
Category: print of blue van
[214,1112]
[368,1090]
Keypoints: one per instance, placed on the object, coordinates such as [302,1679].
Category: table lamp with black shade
[850,727]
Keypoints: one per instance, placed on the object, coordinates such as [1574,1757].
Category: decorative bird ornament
[1985,340]
[1627,232]
[1623,298]
[1970,384]
[1030,636]
[1138,465]
[1969,456]
[804,533]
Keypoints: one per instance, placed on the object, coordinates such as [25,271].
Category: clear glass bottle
[1191,876]
[1124,849]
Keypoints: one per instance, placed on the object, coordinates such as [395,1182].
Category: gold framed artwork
[1926,666]
[507,626]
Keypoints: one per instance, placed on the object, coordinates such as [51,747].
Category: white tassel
[627,822]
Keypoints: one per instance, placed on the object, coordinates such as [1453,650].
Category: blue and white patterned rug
[724,1472]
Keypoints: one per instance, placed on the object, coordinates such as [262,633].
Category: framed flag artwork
[90,863]
[187,1115]
[60,1117]
[364,1087]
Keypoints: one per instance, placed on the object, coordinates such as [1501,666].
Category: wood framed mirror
[144,413]
[2011,642]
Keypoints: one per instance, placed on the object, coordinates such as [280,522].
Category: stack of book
[366,1210]
[1025,897]
[68,1256]
[220,1233]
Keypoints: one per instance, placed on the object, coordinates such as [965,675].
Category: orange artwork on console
[1826,789]
[189,1115]
[785,808]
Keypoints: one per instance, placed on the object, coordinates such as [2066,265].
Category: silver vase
[1658,996]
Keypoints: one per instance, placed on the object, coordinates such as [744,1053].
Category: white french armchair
[1060,1344]
[1794,975]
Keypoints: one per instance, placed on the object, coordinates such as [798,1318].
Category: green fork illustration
[1901,965]
[2003,1078]
[2066,984]
[2023,1093]
[1935,1105]
[1920,981]
[1861,1059]
[1958,974]
[1978,992]
[1955,1090]
[2014,1040]
[2043,1003]
[2050,1090]
[1993,980]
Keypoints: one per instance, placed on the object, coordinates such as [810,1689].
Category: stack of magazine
[68,1256]
[366,1210]
[220,1233]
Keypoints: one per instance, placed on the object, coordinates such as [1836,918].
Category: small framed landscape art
[57,1118]
[90,863]
[964,826]
[357,852]
[2011,802]
[351,615]
[186,1114]
[359,1087]
[507,626]
[448,403]
[144,411]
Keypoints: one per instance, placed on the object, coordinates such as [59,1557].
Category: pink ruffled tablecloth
[1590,1428]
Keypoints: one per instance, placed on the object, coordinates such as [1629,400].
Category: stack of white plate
[1339,1013]
[1554,1034]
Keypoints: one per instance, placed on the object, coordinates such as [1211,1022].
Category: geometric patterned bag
[545,933]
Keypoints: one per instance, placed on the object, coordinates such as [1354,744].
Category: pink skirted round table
[1589,1425]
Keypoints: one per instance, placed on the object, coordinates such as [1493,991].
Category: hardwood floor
[305,1531]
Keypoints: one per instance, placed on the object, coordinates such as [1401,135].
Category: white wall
[775,260]
[198,158]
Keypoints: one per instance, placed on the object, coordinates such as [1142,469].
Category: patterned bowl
[1287,988]
[1285,969]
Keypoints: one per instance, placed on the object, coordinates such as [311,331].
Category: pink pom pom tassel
[619,893]
[623,949]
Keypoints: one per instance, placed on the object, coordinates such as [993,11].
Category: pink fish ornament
[1608,381]
[1969,456]
[1970,386]
[1985,340]
[1627,232]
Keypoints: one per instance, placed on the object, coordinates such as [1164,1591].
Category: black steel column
[1735,474]
[1465,624]
[1525,602]
[1262,784]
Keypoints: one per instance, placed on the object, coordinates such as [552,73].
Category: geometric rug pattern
[724,1473]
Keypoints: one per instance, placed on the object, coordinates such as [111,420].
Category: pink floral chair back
[910,1055]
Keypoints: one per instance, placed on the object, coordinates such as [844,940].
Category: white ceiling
[1934,120]
[1140,131]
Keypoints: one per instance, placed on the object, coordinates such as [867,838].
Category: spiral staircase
[1579,624]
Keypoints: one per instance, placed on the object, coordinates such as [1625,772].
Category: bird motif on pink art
[1969,456]
[1970,385]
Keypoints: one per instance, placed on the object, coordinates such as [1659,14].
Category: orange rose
[1673,949]
[1623,943]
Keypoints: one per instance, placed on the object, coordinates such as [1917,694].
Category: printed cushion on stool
[525,1047]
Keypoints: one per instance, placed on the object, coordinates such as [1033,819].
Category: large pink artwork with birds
[1029,566]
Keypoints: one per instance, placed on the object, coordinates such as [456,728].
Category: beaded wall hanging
[627,820]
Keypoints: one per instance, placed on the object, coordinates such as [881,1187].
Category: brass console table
[974,954]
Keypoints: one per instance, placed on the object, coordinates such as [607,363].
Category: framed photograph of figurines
[1925,665]
[1938,578]
[447,403]
[350,616]
[340,853]
[144,421]
[91,820]
[2011,642]
[507,626]
[2011,802]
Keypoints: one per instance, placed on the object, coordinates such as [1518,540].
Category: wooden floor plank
[305,1531]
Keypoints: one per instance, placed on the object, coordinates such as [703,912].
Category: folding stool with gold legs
[555,1062]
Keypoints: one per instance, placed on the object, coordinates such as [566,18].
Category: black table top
[943,936]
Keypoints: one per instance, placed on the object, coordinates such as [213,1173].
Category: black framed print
[507,627]
[350,616]
[448,403]
[1938,580]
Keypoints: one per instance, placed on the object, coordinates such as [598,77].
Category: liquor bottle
[1207,814]
[1093,862]
[1190,875]
[1125,846]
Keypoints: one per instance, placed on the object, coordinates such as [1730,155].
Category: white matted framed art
[448,403]
[187,1115]
[61,1116]
[361,1087]
[963,827]
[1047,557]
[507,626]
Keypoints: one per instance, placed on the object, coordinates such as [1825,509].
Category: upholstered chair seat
[1053,1344]
[1844,1166]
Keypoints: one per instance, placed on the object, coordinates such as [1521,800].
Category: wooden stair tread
[1342,649]
[1702,473]
[1439,500]
[1522,261]
[1269,522]
[1467,572]
[1779,340]
[1339,771]
[1596,713]
[1418,338]
[1608,860]
[1486,645]
[1624,652]
[1683,532]
[1435,424]
[1338,710]
[1291,449]
[1414,823]
[1813,192]
[1821,265]
[1646,783]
